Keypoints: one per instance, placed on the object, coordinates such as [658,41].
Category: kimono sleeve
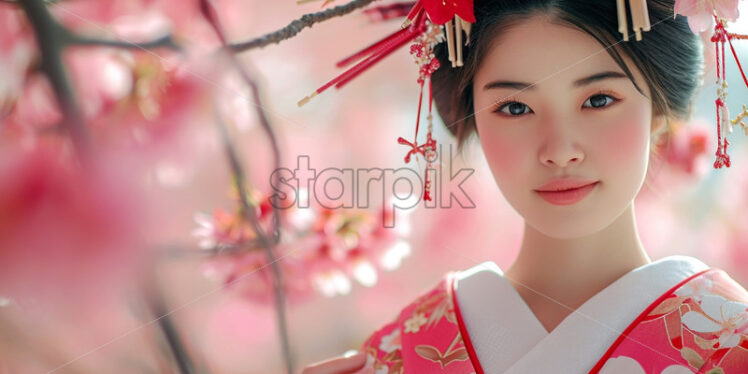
[425,337]
[384,349]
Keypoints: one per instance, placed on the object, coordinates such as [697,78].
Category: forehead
[537,50]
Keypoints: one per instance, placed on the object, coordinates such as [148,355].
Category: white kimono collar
[508,338]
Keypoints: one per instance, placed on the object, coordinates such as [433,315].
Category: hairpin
[639,18]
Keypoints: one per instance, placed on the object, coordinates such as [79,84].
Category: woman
[558,103]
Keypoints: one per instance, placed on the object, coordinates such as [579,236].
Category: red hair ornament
[428,23]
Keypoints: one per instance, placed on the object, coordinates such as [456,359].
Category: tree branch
[171,335]
[248,209]
[166,41]
[16,2]
[297,25]
[176,251]
[51,39]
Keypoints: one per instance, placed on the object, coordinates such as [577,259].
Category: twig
[166,41]
[268,245]
[238,174]
[154,299]
[172,336]
[297,25]
[217,250]
[15,2]
[51,43]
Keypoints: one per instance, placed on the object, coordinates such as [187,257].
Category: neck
[572,270]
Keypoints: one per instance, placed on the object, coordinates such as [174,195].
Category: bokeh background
[152,115]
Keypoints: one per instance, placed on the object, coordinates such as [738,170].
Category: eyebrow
[578,83]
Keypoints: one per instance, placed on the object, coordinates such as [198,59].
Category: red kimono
[672,316]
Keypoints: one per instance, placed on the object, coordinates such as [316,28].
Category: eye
[515,108]
[599,101]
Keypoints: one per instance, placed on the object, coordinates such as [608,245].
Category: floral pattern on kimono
[699,326]
[425,338]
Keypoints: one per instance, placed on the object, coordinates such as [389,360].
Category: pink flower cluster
[686,149]
[321,250]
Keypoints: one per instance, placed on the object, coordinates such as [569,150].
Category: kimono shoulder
[699,326]
[426,337]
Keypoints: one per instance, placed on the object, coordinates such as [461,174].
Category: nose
[559,148]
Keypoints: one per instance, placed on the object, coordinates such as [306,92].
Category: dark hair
[668,56]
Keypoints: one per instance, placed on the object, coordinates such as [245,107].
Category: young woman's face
[562,126]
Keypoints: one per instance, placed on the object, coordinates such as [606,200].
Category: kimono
[672,316]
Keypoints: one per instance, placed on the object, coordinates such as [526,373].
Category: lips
[565,184]
[567,196]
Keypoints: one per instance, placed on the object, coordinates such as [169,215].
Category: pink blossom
[326,251]
[700,13]
[102,77]
[686,150]
[163,101]
[64,232]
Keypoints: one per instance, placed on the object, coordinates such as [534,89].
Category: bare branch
[16,2]
[297,25]
[166,41]
[50,37]
[154,299]
[248,209]
[172,251]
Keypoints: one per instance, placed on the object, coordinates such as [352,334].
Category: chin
[568,229]
[566,222]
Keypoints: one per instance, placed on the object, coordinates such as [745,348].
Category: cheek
[625,141]
[503,152]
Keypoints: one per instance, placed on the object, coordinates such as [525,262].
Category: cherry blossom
[321,249]
[701,13]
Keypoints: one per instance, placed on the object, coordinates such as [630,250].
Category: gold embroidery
[432,353]
[693,358]
[414,323]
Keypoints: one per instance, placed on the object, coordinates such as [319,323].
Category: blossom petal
[700,22]
[712,306]
[685,7]
[729,340]
[733,308]
[697,322]
[622,364]
[727,9]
